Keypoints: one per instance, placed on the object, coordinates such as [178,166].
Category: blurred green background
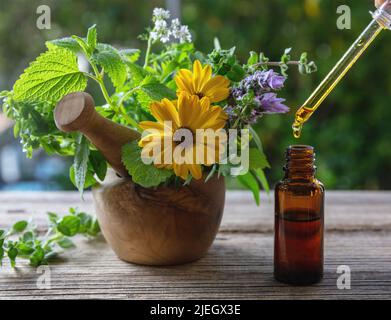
[351,131]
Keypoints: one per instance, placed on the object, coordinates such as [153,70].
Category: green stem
[147,53]
[119,110]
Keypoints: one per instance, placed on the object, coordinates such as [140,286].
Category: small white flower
[154,35]
[160,14]
[184,34]
[175,27]
[179,31]
[160,25]
[165,37]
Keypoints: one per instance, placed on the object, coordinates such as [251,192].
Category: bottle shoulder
[289,184]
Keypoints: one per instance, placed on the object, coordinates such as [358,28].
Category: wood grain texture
[238,266]
[76,112]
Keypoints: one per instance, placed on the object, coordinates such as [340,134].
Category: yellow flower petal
[165,111]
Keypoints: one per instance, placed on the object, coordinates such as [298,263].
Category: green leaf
[236,73]
[111,62]
[20,226]
[89,181]
[137,73]
[132,55]
[25,248]
[92,37]
[66,43]
[2,234]
[81,161]
[85,222]
[12,254]
[154,92]
[83,45]
[253,59]
[99,164]
[94,229]
[141,173]
[37,257]
[256,139]
[262,179]
[257,159]
[1,255]
[69,225]
[51,76]
[250,183]
[28,236]
[53,217]
[65,243]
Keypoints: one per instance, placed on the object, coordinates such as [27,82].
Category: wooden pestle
[76,112]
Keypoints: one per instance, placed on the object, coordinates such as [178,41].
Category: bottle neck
[300,161]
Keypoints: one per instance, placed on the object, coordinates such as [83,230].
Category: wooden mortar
[162,226]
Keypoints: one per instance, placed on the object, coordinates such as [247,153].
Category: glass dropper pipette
[381,20]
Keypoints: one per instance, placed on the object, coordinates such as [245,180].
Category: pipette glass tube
[381,20]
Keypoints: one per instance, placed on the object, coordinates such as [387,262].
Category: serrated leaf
[66,43]
[81,162]
[92,37]
[51,76]
[111,61]
[154,92]
[132,55]
[257,159]
[141,173]
[137,73]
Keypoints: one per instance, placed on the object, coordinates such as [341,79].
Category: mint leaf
[132,55]
[81,161]
[145,175]
[19,226]
[92,37]
[69,225]
[12,254]
[65,243]
[99,164]
[37,257]
[51,76]
[111,61]
[154,92]
[250,183]
[89,181]
[137,73]
[66,43]
[257,159]
[262,179]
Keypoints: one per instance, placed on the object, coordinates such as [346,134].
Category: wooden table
[238,266]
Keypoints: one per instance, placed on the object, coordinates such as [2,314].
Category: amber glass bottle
[299,220]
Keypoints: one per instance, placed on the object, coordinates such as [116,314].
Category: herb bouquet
[194,112]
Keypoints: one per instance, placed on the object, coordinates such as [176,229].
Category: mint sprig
[51,76]
[23,241]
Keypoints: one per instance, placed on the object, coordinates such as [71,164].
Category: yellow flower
[191,113]
[201,83]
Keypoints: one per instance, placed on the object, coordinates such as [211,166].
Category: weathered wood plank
[239,265]
[344,210]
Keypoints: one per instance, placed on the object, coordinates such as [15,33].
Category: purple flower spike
[271,79]
[270,103]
